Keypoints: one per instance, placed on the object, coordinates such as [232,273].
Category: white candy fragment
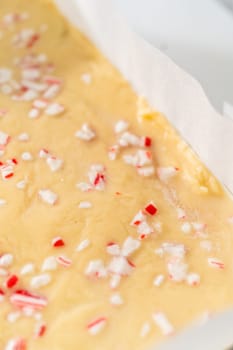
[114,281]
[158,280]
[54,109]
[23,137]
[21,184]
[146,327]
[162,322]
[113,249]
[86,78]
[96,268]
[27,269]
[54,163]
[186,227]
[13,316]
[2,202]
[166,173]
[27,156]
[116,299]
[4,138]
[48,196]
[85,133]
[130,245]
[83,245]
[85,205]
[6,260]
[177,270]
[49,264]
[40,280]
[121,126]
[120,265]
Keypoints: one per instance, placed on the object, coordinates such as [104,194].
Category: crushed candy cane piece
[121,126]
[130,245]
[27,156]
[40,330]
[115,281]
[158,280]
[138,219]
[96,268]
[48,196]
[16,344]
[193,279]
[113,152]
[83,245]
[146,171]
[113,248]
[54,109]
[166,173]
[6,260]
[58,242]
[97,177]
[146,141]
[4,138]
[85,205]
[128,139]
[40,280]
[23,298]
[151,209]
[64,261]
[120,266]
[5,75]
[43,153]
[116,299]
[97,325]
[146,327]
[186,227]
[144,229]
[177,270]
[27,269]
[33,113]
[216,263]
[23,137]
[84,187]
[162,322]
[198,226]
[174,249]
[11,281]
[54,163]
[49,264]
[40,103]
[85,133]
[13,316]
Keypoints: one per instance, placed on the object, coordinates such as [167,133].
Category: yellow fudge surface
[113,235]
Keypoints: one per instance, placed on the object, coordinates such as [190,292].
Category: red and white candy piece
[43,153]
[40,330]
[128,139]
[216,263]
[97,176]
[64,261]
[16,344]
[86,133]
[97,325]
[121,266]
[146,141]
[162,322]
[54,163]
[26,38]
[58,242]
[23,298]
[113,249]
[177,270]
[48,196]
[96,269]
[146,171]
[6,260]
[113,152]
[138,219]
[181,214]
[193,279]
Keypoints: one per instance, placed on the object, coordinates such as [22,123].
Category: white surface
[196,34]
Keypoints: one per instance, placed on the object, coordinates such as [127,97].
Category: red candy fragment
[151,209]
[40,332]
[58,242]
[12,281]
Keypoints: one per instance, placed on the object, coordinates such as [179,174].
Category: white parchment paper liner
[180,97]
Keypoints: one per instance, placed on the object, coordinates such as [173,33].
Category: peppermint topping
[97,325]
[40,280]
[85,133]
[162,322]
[48,196]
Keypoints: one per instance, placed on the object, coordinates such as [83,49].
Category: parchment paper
[180,97]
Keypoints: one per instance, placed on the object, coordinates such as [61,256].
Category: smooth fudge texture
[113,235]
